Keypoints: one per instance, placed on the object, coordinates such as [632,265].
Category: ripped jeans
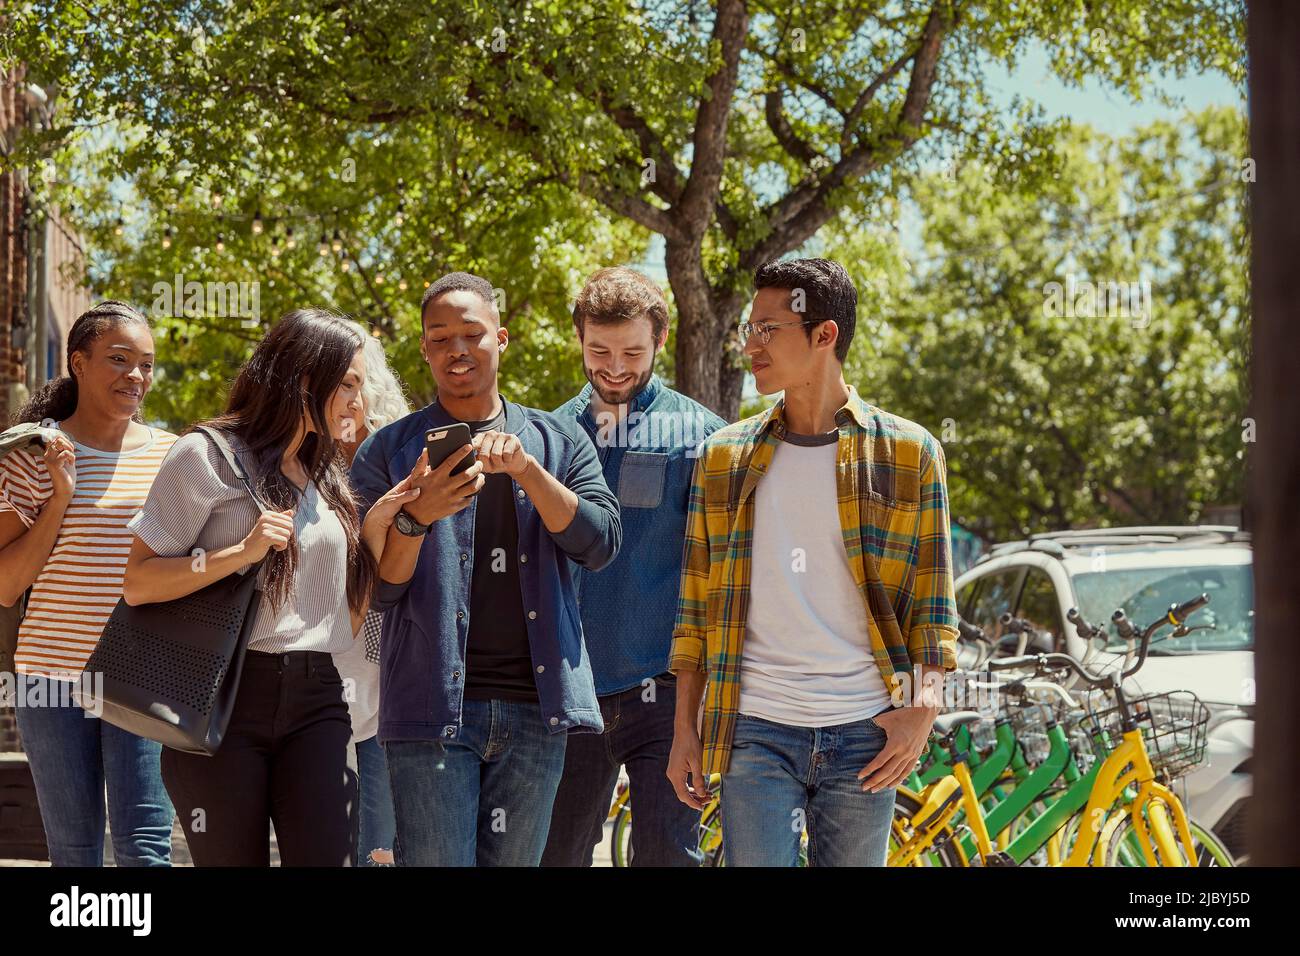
[376,824]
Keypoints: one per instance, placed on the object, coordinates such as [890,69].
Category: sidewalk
[181,855]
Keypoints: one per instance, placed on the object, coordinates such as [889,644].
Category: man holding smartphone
[483,669]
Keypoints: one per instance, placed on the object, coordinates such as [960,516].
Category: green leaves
[1079,414]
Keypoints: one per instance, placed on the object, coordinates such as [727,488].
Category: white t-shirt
[358,666]
[807,658]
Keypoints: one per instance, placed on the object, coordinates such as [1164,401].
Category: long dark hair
[298,365]
[57,399]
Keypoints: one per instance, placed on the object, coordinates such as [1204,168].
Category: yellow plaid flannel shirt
[893,504]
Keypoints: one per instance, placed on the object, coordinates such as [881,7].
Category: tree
[1081,353]
[734,131]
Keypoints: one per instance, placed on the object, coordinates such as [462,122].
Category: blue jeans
[639,735]
[73,757]
[781,778]
[376,824]
[482,799]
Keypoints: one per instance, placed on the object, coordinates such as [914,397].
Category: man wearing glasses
[816,596]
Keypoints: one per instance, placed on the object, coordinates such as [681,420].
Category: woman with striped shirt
[283,760]
[63,534]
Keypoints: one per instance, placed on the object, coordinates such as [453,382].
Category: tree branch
[694,211]
[781,129]
[806,208]
[866,96]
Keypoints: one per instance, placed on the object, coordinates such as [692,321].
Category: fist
[272,531]
[501,454]
[61,464]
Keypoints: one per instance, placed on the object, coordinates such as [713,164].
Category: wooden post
[1273,39]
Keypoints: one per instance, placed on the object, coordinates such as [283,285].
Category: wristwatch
[409,526]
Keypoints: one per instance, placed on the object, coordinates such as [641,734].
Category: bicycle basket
[1174,728]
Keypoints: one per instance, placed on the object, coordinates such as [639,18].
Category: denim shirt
[629,607]
[422,650]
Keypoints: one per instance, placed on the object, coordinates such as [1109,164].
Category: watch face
[406,524]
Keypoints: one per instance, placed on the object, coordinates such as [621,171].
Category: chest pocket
[641,479]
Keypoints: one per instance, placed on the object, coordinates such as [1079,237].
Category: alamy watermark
[222,300]
[85,689]
[653,430]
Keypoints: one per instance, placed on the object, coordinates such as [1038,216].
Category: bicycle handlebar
[1175,616]
[1178,613]
[1015,625]
[1081,626]
[1123,625]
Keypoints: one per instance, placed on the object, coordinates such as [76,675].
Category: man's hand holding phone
[441,492]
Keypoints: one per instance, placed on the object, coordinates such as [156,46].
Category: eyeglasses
[764,329]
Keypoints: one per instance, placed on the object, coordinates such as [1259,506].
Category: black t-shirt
[498,664]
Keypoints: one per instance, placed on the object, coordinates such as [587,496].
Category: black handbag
[170,671]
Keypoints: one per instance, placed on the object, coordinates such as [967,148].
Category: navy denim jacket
[422,650]
[629,608]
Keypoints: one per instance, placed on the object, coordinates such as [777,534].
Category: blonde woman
[382,402]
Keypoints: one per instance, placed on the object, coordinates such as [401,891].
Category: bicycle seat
[945,724]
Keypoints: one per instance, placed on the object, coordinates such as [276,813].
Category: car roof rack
[1056,542]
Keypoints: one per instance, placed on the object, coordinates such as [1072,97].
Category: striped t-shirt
[81,582]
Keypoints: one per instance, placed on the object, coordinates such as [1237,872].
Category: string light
[401,284]
[345,265]
[117,229]
[324,245]
[167,238]
[217,200]
[275,247]
[221,242]
[257,223]
[289,241]
[379,278]
[337,243]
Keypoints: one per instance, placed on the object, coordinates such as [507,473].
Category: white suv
[1144,570]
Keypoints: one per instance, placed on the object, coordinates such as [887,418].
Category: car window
[966,596]
[996,597]
[1227,623]
[1040,606]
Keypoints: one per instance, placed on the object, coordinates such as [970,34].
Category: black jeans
[639,735]
[284,760]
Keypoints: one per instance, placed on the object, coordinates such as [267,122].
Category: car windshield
[1146,593]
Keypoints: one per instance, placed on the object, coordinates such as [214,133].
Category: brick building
[41,260]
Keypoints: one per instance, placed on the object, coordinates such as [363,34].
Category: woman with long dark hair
[283,760]
[64,543]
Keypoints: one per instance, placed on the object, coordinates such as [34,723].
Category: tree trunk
[705,369]
[1273,36]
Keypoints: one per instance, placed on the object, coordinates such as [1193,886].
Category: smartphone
[443,442]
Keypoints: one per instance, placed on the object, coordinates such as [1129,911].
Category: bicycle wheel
[621,849]
[907,806]
[1207,848]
